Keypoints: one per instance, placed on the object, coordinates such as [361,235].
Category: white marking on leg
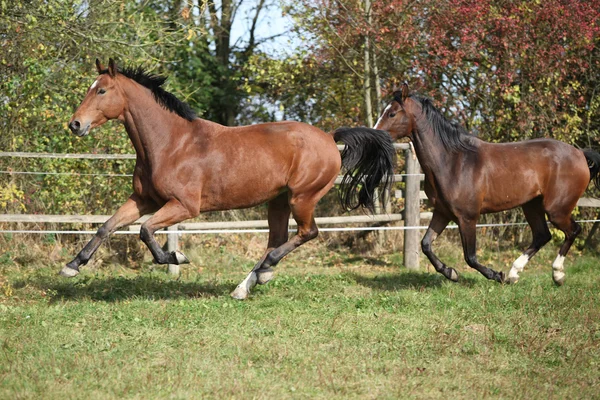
[181,258]
[68,272]
[517,268]
[242,290]
[264,275]
[558,269]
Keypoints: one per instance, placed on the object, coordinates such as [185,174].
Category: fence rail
[91,156]
[411,214]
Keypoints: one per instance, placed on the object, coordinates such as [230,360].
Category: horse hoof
[181,258]
[559,278]
[264,275]
[501,278]
[68,272]
[513,276]
[240,293]
[453,275]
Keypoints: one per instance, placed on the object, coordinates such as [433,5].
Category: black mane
[453,136]
[162,97]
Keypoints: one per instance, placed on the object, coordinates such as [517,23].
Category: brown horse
[466,177]
[186,165]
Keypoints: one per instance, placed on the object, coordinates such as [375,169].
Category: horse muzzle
[77,129]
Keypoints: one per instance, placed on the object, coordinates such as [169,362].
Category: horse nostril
[74,126]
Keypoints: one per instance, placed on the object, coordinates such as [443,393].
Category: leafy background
[508,70]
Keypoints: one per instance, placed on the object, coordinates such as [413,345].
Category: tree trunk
[367,73]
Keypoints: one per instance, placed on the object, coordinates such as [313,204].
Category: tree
[506,69]
[47,64]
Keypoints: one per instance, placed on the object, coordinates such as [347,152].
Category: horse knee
[426,246]
[103,232]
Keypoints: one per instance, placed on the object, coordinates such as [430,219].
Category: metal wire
[61,173]
[226,231]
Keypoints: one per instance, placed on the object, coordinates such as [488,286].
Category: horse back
[245,166]
[514,173]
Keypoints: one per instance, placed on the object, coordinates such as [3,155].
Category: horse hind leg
[278,216]
[536,217]
[571,229]
[302,208]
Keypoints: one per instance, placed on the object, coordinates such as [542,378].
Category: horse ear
[398,96]
[404,91]
[99,67]
[112,67]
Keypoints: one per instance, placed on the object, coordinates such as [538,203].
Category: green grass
[331,325]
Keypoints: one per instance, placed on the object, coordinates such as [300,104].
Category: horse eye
[101,91]
[392,115]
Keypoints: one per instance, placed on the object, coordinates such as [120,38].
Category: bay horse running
[186,165]
[466,177]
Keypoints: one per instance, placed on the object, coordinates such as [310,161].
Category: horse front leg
[438,223]
[171,213]
[128,213]
[469,243]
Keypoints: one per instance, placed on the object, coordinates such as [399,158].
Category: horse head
[395,119]
[104,101]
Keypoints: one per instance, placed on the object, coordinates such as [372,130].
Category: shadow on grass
[118,288]
[363,261]
[408,280]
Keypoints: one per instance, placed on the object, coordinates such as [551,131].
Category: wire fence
[397,178]
[233,231]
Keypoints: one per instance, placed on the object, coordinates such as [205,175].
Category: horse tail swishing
[593,159]
[369,159]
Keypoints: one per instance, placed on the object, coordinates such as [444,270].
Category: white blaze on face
[94,84]
[382,114]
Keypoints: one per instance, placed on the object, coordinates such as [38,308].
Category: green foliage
[11,197]
[45,72]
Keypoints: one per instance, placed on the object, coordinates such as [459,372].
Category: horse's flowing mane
[154,83]
[453,136]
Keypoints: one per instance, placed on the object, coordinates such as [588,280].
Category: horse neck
[151,128]
[432,155]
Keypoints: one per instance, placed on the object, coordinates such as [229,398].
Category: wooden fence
[411,215]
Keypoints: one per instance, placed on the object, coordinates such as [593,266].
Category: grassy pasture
[331,325]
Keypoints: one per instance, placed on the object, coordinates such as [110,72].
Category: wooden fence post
[172,244]
[411,211]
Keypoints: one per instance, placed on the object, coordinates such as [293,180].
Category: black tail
[368,158]
[593,160]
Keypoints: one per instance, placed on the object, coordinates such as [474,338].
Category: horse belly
[243,188]
[509,192]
